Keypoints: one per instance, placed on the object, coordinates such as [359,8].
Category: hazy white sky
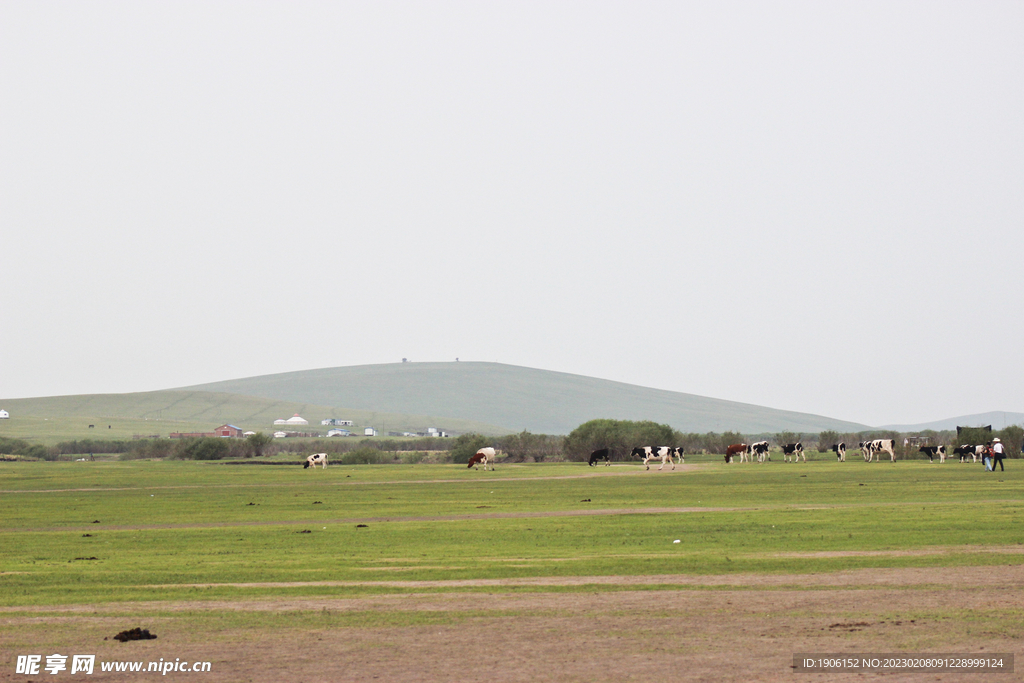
[815,206]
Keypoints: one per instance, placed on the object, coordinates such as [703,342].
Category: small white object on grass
[676,541]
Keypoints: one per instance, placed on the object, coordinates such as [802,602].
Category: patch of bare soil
[749,632]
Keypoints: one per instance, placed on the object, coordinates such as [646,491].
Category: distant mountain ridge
[517,398]
[998,420]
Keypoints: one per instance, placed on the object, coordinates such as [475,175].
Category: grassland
[219,556]
[49,420]
[182,523]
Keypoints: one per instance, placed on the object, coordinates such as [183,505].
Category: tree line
[620,436]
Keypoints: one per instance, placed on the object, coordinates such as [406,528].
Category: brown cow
[485,456]
[740,449]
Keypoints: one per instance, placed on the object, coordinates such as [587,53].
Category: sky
[803,205]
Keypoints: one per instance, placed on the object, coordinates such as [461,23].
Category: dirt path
[725,629]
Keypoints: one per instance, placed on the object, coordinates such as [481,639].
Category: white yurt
[4,415]
[296,420]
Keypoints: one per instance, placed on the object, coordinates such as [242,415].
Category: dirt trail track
[721,628]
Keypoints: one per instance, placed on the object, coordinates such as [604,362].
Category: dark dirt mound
[134,634]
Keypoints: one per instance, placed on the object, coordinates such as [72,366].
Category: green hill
[49,420]
[517,398]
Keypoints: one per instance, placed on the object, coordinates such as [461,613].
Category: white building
[280,435]
[4,415]
[338,432]
[293,420]
[369,431]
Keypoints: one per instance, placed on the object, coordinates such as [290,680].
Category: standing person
[997,454]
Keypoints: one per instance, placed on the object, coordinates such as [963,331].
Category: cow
[740,449]
[871,449]
[965,450]
[679,454]
[759,450]
[316,459]
[840,450]
[600,454]
[932,451]
[485,456]
[795,450]
[649,453]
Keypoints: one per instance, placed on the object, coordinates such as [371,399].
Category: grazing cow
[679,454]
[795,450]
[932,451]
[840,450]
[965,450]
[649,453]
[740,449]
[600,454]
[316,459]
[872,449]
[485,456]
[759,450]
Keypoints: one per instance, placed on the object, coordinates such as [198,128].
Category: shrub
[363,456]
[620,436]
[205,448]
[466,445]
[523,446]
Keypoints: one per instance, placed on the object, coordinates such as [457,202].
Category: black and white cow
[932,451]
[649,453]
[965,450]
[316,459]
[872,449]
[759,450]
[795,450]
[840,450]
[600,454]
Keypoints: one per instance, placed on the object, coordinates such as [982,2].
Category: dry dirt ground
[714,628]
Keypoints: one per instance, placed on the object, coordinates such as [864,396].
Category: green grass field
[157,529]
[573,573]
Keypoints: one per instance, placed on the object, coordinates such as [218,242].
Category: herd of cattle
[758,451]
[791,452]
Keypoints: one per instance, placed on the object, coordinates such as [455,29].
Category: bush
[466,445]
[205,448]
[13,446]
[257,443]
[150,448]
[25,449]
[523,446]
[91,446]
[363,456]
[826,439]
[619,436]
